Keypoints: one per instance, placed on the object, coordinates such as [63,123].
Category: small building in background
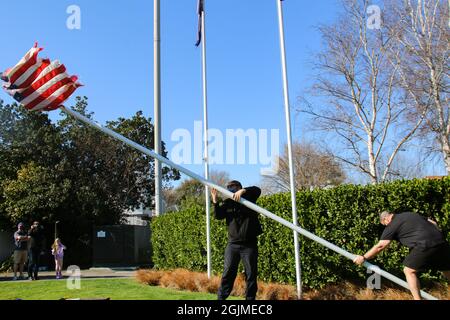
[138,217]
[126,245]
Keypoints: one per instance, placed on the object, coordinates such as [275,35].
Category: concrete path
[93,273]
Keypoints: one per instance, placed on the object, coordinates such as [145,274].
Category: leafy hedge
[346,216]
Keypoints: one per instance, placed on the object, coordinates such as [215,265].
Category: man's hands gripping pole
[236,196]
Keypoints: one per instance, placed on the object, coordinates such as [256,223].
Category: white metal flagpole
[244,202]
[205,135]
[157,102]
[289,138]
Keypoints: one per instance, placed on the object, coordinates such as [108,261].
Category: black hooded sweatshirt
[243,223]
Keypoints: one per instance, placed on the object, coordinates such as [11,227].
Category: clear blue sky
[113,56]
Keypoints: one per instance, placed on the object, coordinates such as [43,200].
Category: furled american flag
[39,84]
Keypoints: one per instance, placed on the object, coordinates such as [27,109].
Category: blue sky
[113,56]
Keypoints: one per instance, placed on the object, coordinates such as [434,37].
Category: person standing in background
[37,240]
[20,251]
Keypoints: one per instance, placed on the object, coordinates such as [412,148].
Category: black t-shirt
[413,230]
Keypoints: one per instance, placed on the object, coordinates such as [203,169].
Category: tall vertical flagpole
[205,134]
[157,101]
[289,137]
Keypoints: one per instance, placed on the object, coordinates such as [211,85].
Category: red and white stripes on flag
[39,84]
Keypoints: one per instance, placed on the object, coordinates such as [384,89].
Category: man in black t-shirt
[428,248]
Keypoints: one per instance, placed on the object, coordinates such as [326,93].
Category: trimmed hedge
[346,216]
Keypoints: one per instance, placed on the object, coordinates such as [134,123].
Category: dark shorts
[436,258]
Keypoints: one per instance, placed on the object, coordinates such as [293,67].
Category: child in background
[58,251]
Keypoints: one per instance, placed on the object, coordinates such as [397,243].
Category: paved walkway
[93,273]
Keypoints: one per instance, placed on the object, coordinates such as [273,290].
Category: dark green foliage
[7,265]
[68,172]
[346,216]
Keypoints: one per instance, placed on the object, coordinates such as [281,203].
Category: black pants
[33,262]
[233,254]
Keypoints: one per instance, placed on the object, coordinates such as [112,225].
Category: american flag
[39,84]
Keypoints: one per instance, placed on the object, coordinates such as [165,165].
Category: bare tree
[313,168]
[358,104]
[422,41]
[408,166]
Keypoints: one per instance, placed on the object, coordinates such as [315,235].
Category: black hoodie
[243,223]
[37,241]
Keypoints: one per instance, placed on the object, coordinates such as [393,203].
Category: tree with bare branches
[313,167]
[357,105]
[421,33]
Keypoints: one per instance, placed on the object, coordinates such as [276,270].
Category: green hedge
[346,216]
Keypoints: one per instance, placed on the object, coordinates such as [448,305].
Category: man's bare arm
[372,253]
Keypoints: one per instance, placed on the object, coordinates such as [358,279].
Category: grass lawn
[115,289]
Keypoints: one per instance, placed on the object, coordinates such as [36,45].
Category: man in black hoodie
[243,230]
[37,244]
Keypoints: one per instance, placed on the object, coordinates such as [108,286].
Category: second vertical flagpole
[157,102]
[202,38]
[289,138]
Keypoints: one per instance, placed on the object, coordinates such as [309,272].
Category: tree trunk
[446,153]
[443,124]
[372,161]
